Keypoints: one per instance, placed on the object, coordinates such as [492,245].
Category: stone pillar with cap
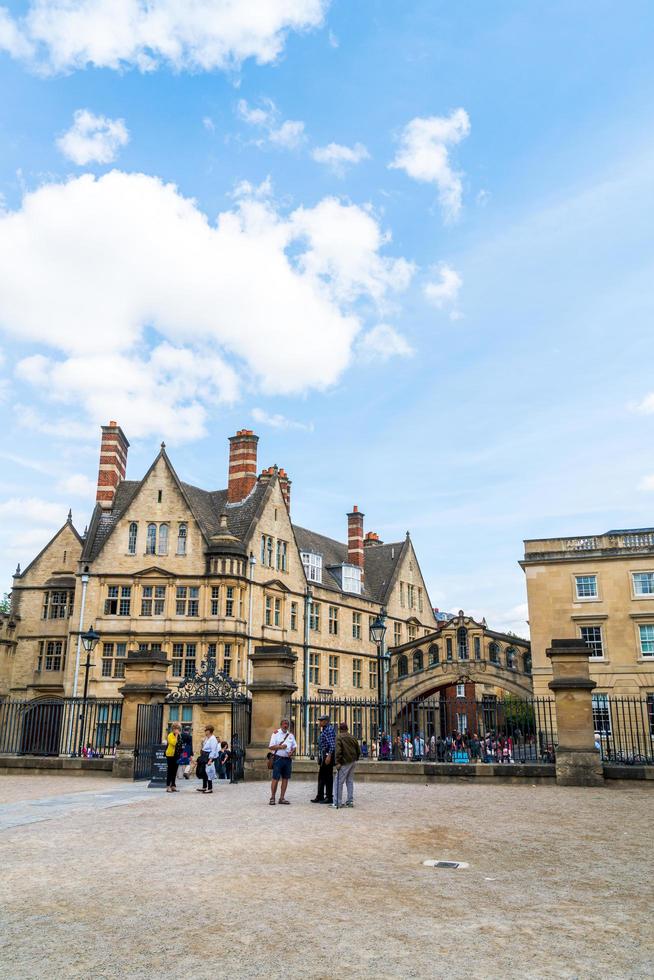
[146,682]
[578,762]
[271,686]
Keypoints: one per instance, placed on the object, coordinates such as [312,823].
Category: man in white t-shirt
[282,748]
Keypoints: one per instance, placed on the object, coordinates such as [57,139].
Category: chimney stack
[371,539]
[242,465]
[113,463]
[355,537]
[285,487]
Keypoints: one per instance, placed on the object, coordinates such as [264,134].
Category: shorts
[281,767]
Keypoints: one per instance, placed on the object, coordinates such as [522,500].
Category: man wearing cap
[326,748]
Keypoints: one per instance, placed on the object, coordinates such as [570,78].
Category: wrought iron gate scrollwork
[208,684]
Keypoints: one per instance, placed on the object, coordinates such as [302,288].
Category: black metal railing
[624,729]
[60,727]
[462,729]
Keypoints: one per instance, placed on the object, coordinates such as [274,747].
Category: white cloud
[483,197]
[93,139]
[92,268]
[64,428]
[208,124]
[443,292]
[513,620]
[647,483]
[33,510]
[194,35]
[77,485]
[288,134]
[424,155]
[344,242]
[338,157]
[260,192]
[646,405]
[383,342]
[26,526]
[279,421]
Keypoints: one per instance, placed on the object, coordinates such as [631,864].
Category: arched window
[434,655]
[448,647]
[163,539]
[511,658]
[477,645]
[417,660]
[131,540]
[526,661]
[462,643]
[402,666]
[494,653]
[151,543]
[181,539]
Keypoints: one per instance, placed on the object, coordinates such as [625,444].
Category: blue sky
[450,328]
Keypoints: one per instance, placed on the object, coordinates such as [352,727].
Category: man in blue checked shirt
[326,749]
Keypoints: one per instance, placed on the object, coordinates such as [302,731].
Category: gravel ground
[559,883]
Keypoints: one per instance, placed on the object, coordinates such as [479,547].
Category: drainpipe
[251,563]
[305,679]
[85,582]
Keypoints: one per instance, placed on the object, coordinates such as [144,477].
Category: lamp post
[89,641]
[377,633]
[308,600]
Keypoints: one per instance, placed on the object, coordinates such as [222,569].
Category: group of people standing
[215,759]
[338,754]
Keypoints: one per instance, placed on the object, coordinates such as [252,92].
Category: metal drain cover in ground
[456,865]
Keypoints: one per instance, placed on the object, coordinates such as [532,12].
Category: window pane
[647,640]
[586,586]
[643,583]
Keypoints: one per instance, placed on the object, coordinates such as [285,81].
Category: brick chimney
[113,463]
[355,537]
[371,539]
[242,465]
[285,487]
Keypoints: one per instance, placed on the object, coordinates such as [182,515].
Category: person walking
[282,749]
[326,748]
[347,755]
[173,753]
[206,768]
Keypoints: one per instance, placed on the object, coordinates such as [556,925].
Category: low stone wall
[423,772]
[23,765]
[613,772]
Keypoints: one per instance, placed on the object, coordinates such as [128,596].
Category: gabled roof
[69,524]
[206,506]
[380,562]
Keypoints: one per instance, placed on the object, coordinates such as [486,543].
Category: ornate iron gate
[211,686]
[149,735]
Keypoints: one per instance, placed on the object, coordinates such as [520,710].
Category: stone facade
[169,567]
[599,589]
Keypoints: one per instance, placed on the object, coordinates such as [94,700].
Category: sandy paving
[559,884]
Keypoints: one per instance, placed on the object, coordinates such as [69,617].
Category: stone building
[599,589]
[204,574]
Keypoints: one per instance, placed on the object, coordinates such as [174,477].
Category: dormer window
[351,579]
[312,566]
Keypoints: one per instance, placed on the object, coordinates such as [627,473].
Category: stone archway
[427,682]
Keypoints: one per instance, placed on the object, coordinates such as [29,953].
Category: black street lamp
[89,642]
[377,634]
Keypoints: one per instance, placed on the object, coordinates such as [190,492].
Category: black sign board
[159,767]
